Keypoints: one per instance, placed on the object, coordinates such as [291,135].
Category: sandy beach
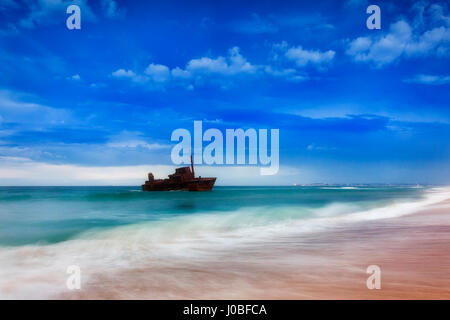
[412,252]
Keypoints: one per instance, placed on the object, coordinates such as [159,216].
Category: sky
[97,106]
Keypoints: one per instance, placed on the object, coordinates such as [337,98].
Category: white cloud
[132,139]
[289,74]
[197,71]
[437,14]
[303,57]
[218,71]
[384,50]
[14,171]
[75,77]
[158,72]
[435,41]
[208,65]
[23,171]
[406,41]
[123,73]
[429,79]
[288,61]
[15,109]
[180,73]
[280,72]
[233,64]
[129,74]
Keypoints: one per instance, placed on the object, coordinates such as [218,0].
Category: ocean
[112,231]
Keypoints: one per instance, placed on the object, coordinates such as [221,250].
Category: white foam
[340,188]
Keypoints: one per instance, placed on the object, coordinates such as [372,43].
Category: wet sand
[412,251]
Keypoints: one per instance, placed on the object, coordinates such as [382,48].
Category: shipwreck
[183,179]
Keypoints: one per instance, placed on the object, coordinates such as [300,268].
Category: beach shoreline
[411,251]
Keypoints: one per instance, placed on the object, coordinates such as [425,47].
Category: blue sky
[98,105]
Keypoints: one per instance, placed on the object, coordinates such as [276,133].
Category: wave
[341,188]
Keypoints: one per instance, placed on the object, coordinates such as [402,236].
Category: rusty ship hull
[197,184]
[183,179]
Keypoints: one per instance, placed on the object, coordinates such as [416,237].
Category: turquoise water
[46,215]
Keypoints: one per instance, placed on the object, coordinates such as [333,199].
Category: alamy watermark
[249,147]
[73,281]
[74,20]
[374,20]
[374,280]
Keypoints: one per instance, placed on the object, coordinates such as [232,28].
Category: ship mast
[192,167]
